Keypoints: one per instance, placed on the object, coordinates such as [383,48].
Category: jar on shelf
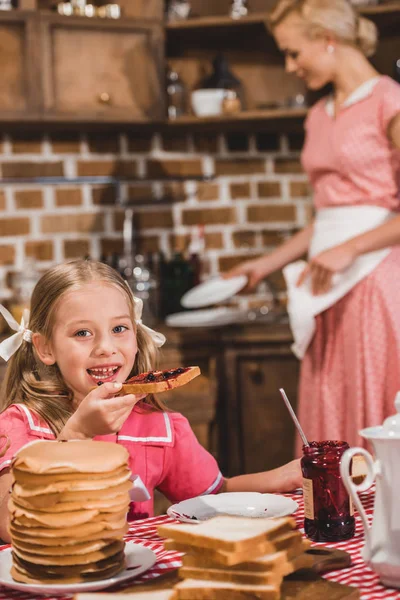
[178,10]
[222,78]
[328,511]
[239,9]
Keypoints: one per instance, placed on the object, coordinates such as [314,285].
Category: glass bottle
[144,286]
[176,95]
[177,281]
[327,508]
[397,70]
[23,284]
[196,252]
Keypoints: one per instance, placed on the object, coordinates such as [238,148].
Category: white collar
[363,91]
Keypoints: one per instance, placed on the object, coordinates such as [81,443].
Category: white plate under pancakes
[138,560]
[244,504]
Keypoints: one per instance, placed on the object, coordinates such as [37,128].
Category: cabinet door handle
[256,374]
[104,98]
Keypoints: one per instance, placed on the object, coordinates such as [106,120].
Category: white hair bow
[11,344]
[158,338]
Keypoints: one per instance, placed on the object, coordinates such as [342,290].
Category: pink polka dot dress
[351,371]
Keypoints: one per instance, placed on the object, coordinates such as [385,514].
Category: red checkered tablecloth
[145,533]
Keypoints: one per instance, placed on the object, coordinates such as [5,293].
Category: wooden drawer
[110,71]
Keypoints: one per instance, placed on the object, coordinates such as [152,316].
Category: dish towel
[332,227]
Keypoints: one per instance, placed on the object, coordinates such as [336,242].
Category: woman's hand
[254,270]
[323,267]
[100,413]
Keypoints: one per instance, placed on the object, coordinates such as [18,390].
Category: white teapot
[382,539]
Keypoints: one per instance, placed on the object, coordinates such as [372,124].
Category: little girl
[85,328]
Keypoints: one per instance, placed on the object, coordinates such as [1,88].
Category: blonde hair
[42,388]
[336,16]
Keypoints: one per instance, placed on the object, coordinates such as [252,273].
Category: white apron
[332,227]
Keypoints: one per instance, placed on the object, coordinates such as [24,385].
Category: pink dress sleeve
[390,102]
[189,470]
[21,427]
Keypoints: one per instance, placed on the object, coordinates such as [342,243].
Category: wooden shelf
[379,12]
[204,22]
[253,115]
[283,118]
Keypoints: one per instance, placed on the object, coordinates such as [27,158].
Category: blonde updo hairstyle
[42,388]
[337,17]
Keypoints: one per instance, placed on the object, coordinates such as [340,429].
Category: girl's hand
[100,413]
[252,269]
[283,479]
[323,267]
[288,477]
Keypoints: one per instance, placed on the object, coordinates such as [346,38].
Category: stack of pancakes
[68,510]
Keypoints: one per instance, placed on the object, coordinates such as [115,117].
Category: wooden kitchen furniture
[70,70]
[75,69]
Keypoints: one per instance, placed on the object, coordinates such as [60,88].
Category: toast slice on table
[228,534]
[151,595]
[190,589]
[283,562]
[154,382]
[234,576]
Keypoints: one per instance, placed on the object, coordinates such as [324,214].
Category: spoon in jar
[293,415]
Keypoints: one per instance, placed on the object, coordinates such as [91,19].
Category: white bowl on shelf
[208,103]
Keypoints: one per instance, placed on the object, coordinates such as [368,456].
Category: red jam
[328,515]
[157,376]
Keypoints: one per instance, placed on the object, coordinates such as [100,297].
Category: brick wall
[259,195]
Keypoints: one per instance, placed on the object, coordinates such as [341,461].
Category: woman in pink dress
[344,303]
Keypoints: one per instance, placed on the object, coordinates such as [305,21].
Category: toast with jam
[154,382]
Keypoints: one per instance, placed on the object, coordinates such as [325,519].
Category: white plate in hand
[213,291]
[243,504]
[138,560]
[208,317]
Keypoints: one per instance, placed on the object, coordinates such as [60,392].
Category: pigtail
[28,381]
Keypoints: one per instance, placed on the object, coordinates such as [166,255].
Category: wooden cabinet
[256,431]
[65,69]
[18,89]
[96,70]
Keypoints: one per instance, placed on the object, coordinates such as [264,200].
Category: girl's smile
[104,373]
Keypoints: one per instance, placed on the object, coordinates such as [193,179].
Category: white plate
[244,504]
[210,317]
[138,560]
[213,291]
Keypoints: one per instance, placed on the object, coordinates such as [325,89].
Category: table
[145,532]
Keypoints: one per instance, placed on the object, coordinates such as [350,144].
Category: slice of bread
[243,577]
[225,559]
[229,534]
[200,589]
[152,595]
[277,562]
[155,382]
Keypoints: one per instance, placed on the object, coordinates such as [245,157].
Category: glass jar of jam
[327,509]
